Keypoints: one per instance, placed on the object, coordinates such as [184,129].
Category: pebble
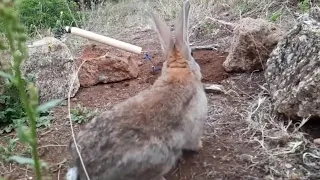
[317,141]
[214,88]
[288,166]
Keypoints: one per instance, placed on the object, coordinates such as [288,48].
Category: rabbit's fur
[142,137]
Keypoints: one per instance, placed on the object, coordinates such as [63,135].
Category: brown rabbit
[142,137]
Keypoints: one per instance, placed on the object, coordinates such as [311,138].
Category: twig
[4,172]
[52,145]
[47,132]
[70,120]
[59,167]
[205,47]
[303,122]
[232,25]
[59,174]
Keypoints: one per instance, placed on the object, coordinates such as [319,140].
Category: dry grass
[283,151]
[209,18]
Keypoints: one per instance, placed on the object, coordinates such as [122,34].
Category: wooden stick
[105,40]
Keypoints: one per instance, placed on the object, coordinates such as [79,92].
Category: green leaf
[48,105]
[24,160]
[44,121]
[21,160]
[24,135]
[6,75]
[8,128]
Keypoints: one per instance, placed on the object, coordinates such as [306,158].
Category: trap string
[148,59]
[70,119]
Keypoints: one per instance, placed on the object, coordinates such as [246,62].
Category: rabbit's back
[138,137]
[128,153]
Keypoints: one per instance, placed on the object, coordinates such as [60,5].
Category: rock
[53,68]
[214,88]
[253,41]
[317,141]
[106,65]
[293,71]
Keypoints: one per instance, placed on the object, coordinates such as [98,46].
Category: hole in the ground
[312,128]
[210,63]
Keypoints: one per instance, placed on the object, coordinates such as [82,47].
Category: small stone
[214,88]
[295,176]
[288,166]
[317,141]
[246,157]
[268,178]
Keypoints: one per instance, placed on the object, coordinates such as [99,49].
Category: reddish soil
[209,61]
[221,156]
[211,65]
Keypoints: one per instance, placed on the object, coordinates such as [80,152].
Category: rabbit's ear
[182,25]
[163,31]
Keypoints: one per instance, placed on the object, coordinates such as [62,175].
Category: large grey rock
[52,65]
[293,71]
[253,41]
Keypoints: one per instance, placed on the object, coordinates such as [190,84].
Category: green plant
[208,27]
[8,150]
[15,41]
[274,17]
[48,14]
[81,114]
[304,6]
[12,112]
[12,106]
[244,7]
[45,14]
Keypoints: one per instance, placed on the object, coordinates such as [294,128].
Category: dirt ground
[225,151]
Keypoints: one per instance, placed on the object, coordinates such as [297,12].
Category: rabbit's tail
[72,174]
